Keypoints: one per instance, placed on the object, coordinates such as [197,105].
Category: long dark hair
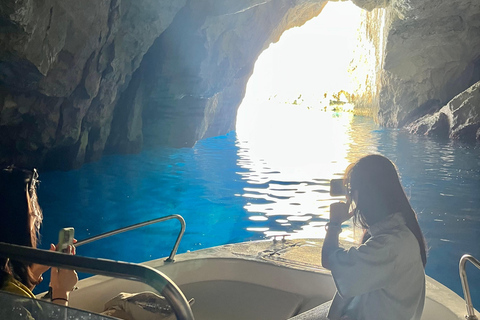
[20,217]
[375,179]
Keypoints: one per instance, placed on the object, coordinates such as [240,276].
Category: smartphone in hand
[65,239]
[337,188]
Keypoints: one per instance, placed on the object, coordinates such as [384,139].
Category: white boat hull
[255,280]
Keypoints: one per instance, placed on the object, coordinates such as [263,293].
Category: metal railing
[466,290]
[148,275]
[139,225]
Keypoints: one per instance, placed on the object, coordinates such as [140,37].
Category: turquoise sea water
[241,187]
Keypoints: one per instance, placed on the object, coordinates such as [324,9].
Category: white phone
[65,239]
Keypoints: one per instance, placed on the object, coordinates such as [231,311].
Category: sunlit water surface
[271,181]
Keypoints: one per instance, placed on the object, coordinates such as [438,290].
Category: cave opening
[301,81]
[294,124]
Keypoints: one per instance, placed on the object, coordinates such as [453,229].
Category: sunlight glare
[309,60]
[289,144]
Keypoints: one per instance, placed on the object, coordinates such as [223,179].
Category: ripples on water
[271,181]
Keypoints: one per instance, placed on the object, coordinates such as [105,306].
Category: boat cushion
[139,306]
[235,300]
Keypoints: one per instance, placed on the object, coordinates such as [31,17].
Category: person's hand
[71,249]
[339,212]
[38,269]
[62,281]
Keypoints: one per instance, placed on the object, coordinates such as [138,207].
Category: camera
[337,188]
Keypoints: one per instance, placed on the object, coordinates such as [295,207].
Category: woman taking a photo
[21,218]
[384,277]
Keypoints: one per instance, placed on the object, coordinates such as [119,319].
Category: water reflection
[289,160]
[287,166]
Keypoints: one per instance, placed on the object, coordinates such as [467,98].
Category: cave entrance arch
[290,140]
[295,88]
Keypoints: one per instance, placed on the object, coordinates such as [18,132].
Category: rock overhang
[85,79]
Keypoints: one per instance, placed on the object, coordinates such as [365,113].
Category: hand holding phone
[339,212]
[65,244]
[63,281]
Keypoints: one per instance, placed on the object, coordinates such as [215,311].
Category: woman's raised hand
[339,212]
[62,281]
[38,269]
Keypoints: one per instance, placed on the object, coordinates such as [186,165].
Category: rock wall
[63,65]
[459,119]
[74,82]
[426,52]
[205,59]
[79,79]
[367,65]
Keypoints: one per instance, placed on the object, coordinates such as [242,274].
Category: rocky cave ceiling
[80,79]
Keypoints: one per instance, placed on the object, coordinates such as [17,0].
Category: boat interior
[264,280]
[233,282]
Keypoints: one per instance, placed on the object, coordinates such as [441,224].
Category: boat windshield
[14,307]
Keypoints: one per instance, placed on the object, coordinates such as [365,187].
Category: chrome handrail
[148,275]
[466,291]
[141,224]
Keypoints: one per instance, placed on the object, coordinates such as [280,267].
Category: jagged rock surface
[85,78]
[68,87]
[205,59]
[63,65]
[431,55]
[425,52]
[459,119]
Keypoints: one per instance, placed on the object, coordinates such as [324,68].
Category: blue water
[241,187]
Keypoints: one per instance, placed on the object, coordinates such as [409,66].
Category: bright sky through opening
[297,143]
[308,60]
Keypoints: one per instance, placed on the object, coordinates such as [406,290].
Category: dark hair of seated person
[375,180]
[20,217]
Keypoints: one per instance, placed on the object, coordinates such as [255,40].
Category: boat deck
[301,254]
[264,280]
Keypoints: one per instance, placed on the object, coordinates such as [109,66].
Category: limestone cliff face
[205,59]
[76,80]
[79,79]
[459,119]
[63,66]
[425,51]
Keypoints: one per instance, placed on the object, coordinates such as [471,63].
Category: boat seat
[316,313]
[234,300]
